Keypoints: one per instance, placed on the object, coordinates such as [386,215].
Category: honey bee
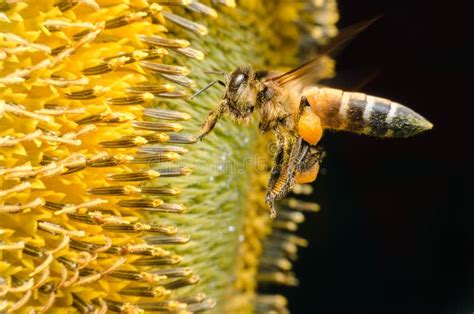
[296,111]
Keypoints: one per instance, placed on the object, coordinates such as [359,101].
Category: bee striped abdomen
[364,114]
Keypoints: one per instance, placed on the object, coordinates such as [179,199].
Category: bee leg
[282,179]
[212,118]
[276,172]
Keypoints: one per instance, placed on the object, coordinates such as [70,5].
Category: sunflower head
[108,202]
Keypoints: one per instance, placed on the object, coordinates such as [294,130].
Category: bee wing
[309,72]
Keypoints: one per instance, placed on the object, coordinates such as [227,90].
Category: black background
[396,229]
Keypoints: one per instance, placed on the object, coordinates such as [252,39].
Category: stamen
[68,138]
[22,168]
[182,139]
[97,218]
[50,169]
[71,208]
[139,55]
[10,208]
[293,216]
[229,3]
[174,95]
[140,203]
[165,68]
[86,94]
[192,53]
[56,51]
[204,9]
[43,265]
[206,305]
[168,240]
[57,229]
[164,42]
[135,176]
[173,273]
[155,158]
[131,100]
[65,5]
[118,62]
[164,306]
[139,249]
[167,208]
[174,172]
[281,263]
[198,298]
[18,188]
[270,303]
[10,37]
[3,18]
[179,79]
[67,263]
[284,225]
[62,82]
[166,114]
[303,189]
[94,277]
[303,206]
[163,149]
[108,117]
[46,160]
[152,89]
[185,23]
[22,301]
[103,307]
[45,276]
[73,278]
[137,276]
[81,305]
[140,227]
[62,245]
[11,246]
[23,286]
[19,75]
[157,126]
[54,110]
[49,302]
[125,142]
[123,20]
[20,111]
[156,138]
[57,25]
[128,308]
[158,261]
[151,292]
[277,277]
[182,282]
[34,251]
[151,190]
[125,190]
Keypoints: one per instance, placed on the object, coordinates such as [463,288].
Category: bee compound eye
[239,79]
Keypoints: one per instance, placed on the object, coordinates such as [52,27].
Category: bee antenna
[205,88]
[215,72]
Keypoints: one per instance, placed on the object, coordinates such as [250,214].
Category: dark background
[396,229]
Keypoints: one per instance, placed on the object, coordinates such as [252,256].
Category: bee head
[240,94]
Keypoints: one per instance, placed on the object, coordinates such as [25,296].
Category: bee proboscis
[296,110]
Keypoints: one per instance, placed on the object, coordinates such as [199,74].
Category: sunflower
[107,201]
